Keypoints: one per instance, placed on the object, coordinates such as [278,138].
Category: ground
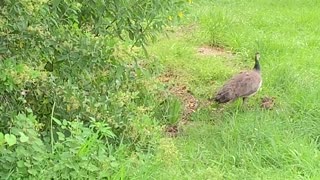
[277,136]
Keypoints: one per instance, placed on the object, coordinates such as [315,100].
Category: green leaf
[131,35]
[23,137]
[20,164]
[32,171]
[2,140]
[57,121]
[61,136]
[27,164]
[114,164]
[92,168]
[49,66]
[10,139]
[29,110]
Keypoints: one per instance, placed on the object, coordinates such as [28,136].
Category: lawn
[237,142]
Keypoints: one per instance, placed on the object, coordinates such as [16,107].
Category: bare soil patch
[267,102]
[207,50]
[189,101]
[172,130]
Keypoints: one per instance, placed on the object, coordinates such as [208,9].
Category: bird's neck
[256,65]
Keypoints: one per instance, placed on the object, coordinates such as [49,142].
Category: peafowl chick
[242,85]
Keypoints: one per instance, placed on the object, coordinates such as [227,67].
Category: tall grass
[254,143]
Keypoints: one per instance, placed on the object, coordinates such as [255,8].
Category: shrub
[70,88]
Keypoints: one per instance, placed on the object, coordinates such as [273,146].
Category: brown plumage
[243,85]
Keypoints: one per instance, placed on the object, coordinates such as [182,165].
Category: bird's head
[257,64]
[257,56]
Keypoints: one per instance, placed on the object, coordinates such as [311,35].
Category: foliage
[73,87]
[25,153]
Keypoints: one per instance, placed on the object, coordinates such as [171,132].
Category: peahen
[242,85]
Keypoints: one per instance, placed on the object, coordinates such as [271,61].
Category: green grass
[253,143]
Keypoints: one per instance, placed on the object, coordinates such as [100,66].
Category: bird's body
[241,85]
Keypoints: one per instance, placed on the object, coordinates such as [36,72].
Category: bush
[71,88]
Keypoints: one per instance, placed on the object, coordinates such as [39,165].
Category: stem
[51,131]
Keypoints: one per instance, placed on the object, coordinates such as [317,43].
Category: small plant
[170,110]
